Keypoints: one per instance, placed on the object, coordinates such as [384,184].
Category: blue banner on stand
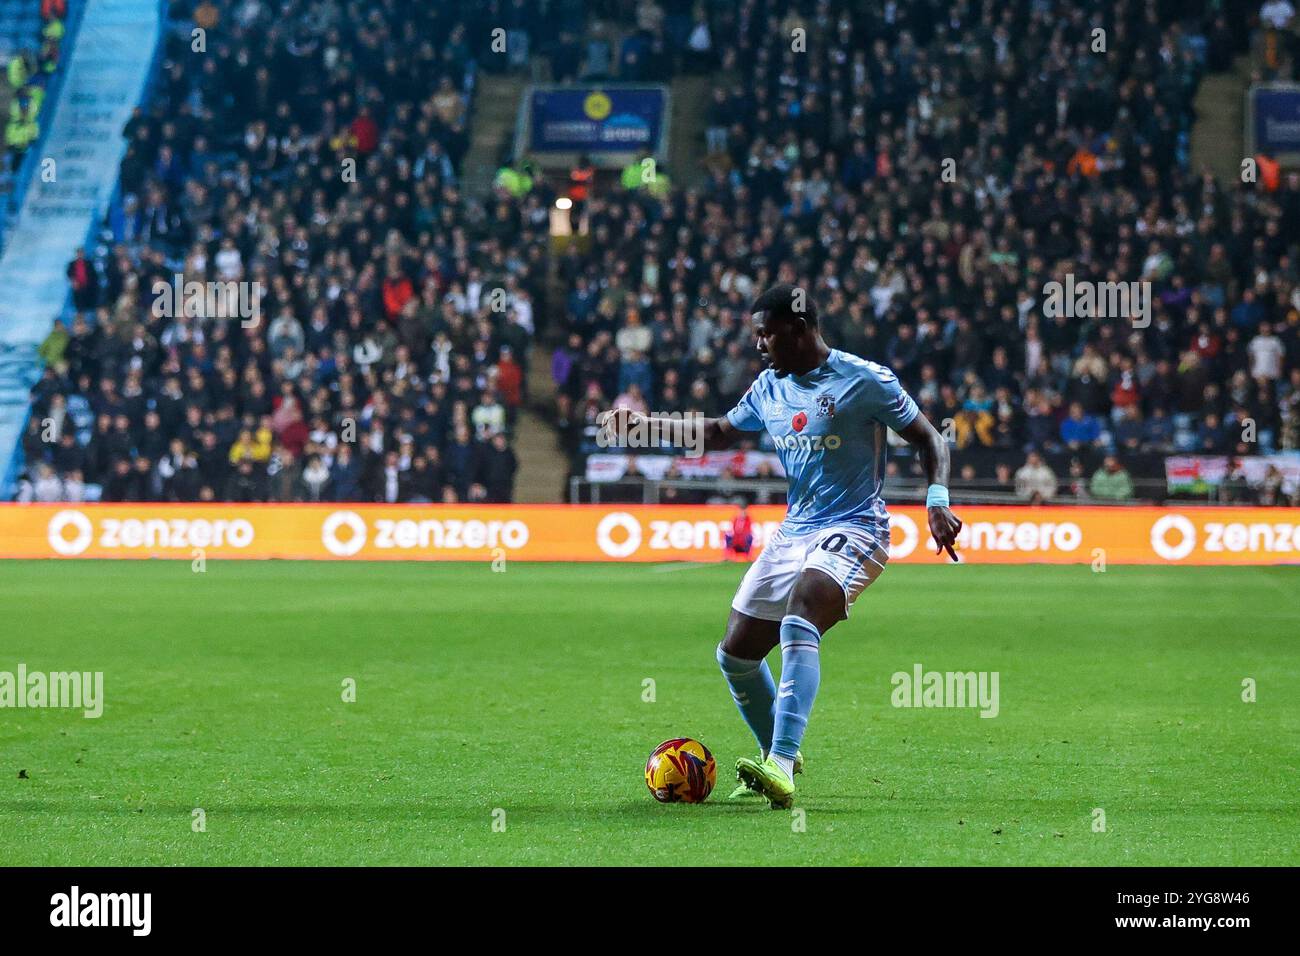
[597,120]
[1274,120]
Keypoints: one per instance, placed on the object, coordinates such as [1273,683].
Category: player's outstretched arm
[706,434]
[944,525]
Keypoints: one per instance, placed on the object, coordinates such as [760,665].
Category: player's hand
[944,528]
[615,424]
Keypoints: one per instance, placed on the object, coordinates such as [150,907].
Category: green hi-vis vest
[23,129]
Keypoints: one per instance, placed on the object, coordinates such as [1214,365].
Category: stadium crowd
[926,168]
[310,153]
[27,72]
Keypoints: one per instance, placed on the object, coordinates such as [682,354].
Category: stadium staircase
[108,68]
[1218,137]
[496,107]
[543,468]
[691,96]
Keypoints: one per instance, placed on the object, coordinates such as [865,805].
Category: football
[681,770]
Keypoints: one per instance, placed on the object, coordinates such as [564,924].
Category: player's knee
[819,599]
[750,638]
[820,616]
[733,665]
[738,645]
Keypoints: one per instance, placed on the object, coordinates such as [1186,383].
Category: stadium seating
[928,170]
[930,175]
[321,179]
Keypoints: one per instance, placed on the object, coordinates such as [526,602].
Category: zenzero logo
[1160,542]
[903,523]
[152,534]
[85,533]
[605,534]
[355,541]
[1020,536]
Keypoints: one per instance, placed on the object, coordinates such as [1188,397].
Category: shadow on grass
[623,811]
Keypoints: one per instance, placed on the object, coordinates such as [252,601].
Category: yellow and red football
[681,770]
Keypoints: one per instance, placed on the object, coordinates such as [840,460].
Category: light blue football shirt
[829,429]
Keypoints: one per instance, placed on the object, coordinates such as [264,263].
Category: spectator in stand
[1080,430]
[634,372]
[581,180]
[345,476]
[52,349]
[633,336]
[1272,491]
[1234,489]
[509,382]
[315,480]
[1127,433]
[1213,437]
[720,116]
[47,485]
[1158,431]
[488,417]
[1041,429]
[1111,482]
[1267,354]
[496,471]
[84,282]
[975,421]
[1003,479]
[461,463]
[245,484]
[1034,479]
[1277,14]
[632,398]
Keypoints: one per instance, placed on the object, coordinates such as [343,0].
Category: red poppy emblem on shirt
[799,421]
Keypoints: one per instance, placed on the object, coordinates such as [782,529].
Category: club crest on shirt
[826,405]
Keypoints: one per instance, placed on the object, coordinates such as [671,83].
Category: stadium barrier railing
[763,491]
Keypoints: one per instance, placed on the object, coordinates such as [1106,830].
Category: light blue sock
[754,692]
[801,672]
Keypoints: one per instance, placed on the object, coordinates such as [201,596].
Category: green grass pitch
[522,691]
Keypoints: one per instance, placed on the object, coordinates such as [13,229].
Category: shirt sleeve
[746,415]
[897,410]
